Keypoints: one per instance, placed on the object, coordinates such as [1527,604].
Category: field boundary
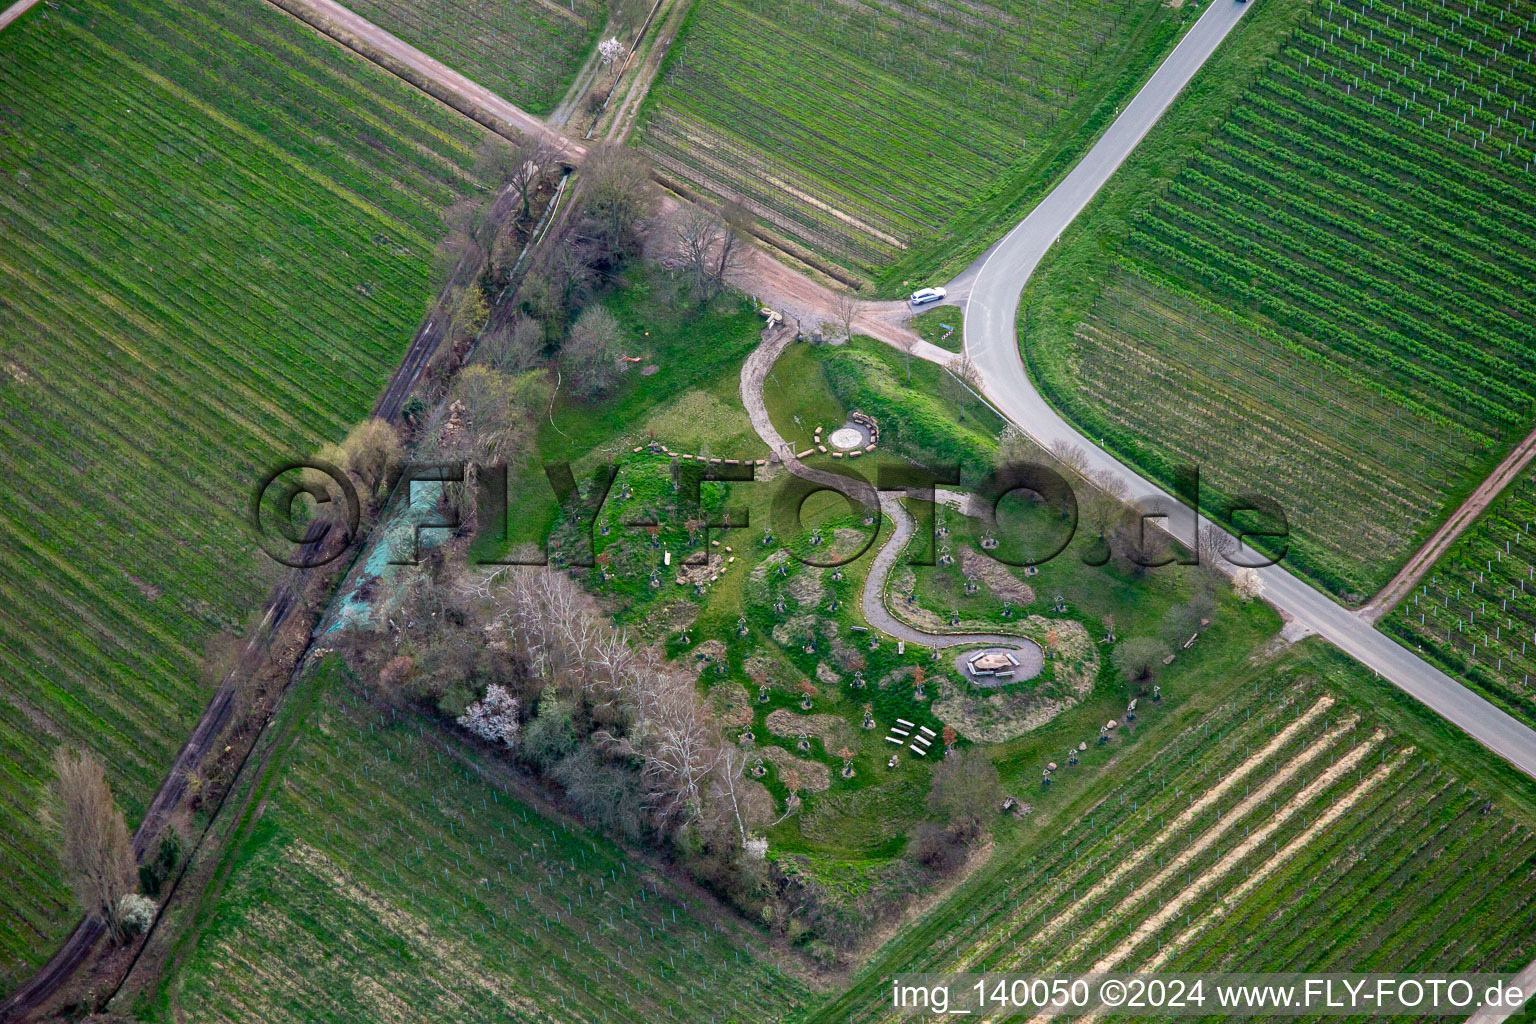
[431,76]
[1476,504]
[15,11]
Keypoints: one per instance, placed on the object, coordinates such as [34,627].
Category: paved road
[1525,981]
[878,615]
[991,342]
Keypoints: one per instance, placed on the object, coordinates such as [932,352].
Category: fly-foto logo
[299,533]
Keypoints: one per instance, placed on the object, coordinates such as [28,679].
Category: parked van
[923,296]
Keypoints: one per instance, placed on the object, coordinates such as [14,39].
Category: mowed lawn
[525,50]
[860,133]
[1331,303]
[393,876]
[215,232]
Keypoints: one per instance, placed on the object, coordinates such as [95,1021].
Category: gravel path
[753,372]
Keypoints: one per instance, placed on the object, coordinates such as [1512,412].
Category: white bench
[927,730]
[893,739]
[903,721]
[914,748]
[899,732]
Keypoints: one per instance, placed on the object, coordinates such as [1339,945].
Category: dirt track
[15,11]
[1409,575]
[431,76]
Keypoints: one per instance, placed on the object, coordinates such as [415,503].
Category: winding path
[991,342]
[753,372]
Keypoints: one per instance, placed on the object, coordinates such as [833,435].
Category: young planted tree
[92,834]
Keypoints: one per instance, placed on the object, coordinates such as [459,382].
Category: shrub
[965,792]
[937,848]
[1139,660]
[135,913]
[494,716]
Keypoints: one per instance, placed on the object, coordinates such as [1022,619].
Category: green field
[690,401]
[215,237]
[1475,612]
[1329,303]
[944,326]
[1289,825]
[527,51]
[392,874]
[870,135]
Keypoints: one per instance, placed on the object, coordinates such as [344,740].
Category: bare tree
[965,791]
[707,246]
[533,158]
[617,195]
[690,234]
[964,369]
[459,244]
[730,789]
[845,307]
[679,744]
[512,346]
[95,850]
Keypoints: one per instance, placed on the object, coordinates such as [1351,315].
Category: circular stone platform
[1009,664]
[847,436]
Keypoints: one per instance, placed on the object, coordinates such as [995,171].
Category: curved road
[991,341]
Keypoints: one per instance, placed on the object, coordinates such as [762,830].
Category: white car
[923,296]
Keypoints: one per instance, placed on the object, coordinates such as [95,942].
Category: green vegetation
[689,401]
[452,898]
[779,650]
[1476,609]
[525,50]
[1326,303]
[215,240]
[883,140]
[798,397]
[1240,835]
[925,414]
[943,326]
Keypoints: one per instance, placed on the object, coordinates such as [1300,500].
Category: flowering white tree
[136,913]
[1247,584]
[494,716]
[611,51]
